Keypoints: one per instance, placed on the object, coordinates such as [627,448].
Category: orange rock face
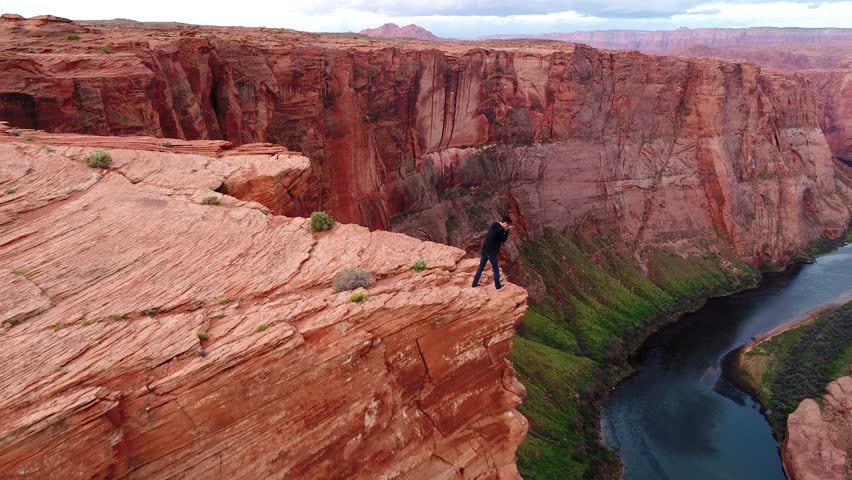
[651,151]
[819,437]
[149,333]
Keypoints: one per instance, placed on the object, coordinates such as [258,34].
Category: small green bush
[107,49]
[13,321]
[224,301]
[28,138]
[350,279]
[117,317]
[72,36]
[359,297]
[321,221]
[10,191]
[203,336]
[15,132]
[99,159]
[419,265]
[48,148]
[57,328]
[167,144]
[211,200]
[152,312]
[86,323]
[262,327]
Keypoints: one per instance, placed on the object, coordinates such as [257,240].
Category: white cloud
[354,15]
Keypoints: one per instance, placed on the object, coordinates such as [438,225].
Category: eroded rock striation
[150,333]
[687,154]
[819,436]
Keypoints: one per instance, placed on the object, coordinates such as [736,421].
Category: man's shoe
[501,287]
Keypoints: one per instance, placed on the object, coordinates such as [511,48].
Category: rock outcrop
[148,332]
[693,155]
[392,30]
[819,436]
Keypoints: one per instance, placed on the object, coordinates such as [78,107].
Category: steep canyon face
[148,332]
[687,154]
[828,68]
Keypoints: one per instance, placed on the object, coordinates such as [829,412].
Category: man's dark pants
[488,257]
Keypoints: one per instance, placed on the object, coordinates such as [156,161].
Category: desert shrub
[359,297]
[321,221]
[117,317]
[28,138]
[203,336]
[262,327]
[419,265]
[350,279]
[15,132]
[72,36]
[107,49]
[87,323]
[99,159]
[167,144]
[10,191]
[211,201]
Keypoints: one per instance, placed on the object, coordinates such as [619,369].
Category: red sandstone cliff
[109,276]
[392,30]
[828,68]
[689,154]
[819,436]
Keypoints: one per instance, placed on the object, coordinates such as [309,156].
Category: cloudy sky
[460,18]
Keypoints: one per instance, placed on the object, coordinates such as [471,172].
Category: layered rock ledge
[109,276]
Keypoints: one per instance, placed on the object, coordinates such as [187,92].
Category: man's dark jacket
[495,237]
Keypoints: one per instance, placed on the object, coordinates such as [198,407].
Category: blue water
[678,417]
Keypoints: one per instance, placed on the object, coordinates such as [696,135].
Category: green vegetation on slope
[572,345]
[799,363]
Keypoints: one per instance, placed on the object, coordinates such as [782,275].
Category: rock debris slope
[111,279]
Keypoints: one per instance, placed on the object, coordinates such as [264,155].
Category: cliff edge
[154,327]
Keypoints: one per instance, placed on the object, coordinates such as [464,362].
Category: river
[678,417]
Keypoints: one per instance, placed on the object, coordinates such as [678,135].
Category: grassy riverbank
[798,363]
[573,344]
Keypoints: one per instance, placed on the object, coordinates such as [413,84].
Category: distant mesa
[392,30]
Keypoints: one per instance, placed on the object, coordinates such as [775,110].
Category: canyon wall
[151,332]
[828,68]
[648,150]
[819,436]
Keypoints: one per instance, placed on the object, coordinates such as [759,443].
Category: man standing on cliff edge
[494,239]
